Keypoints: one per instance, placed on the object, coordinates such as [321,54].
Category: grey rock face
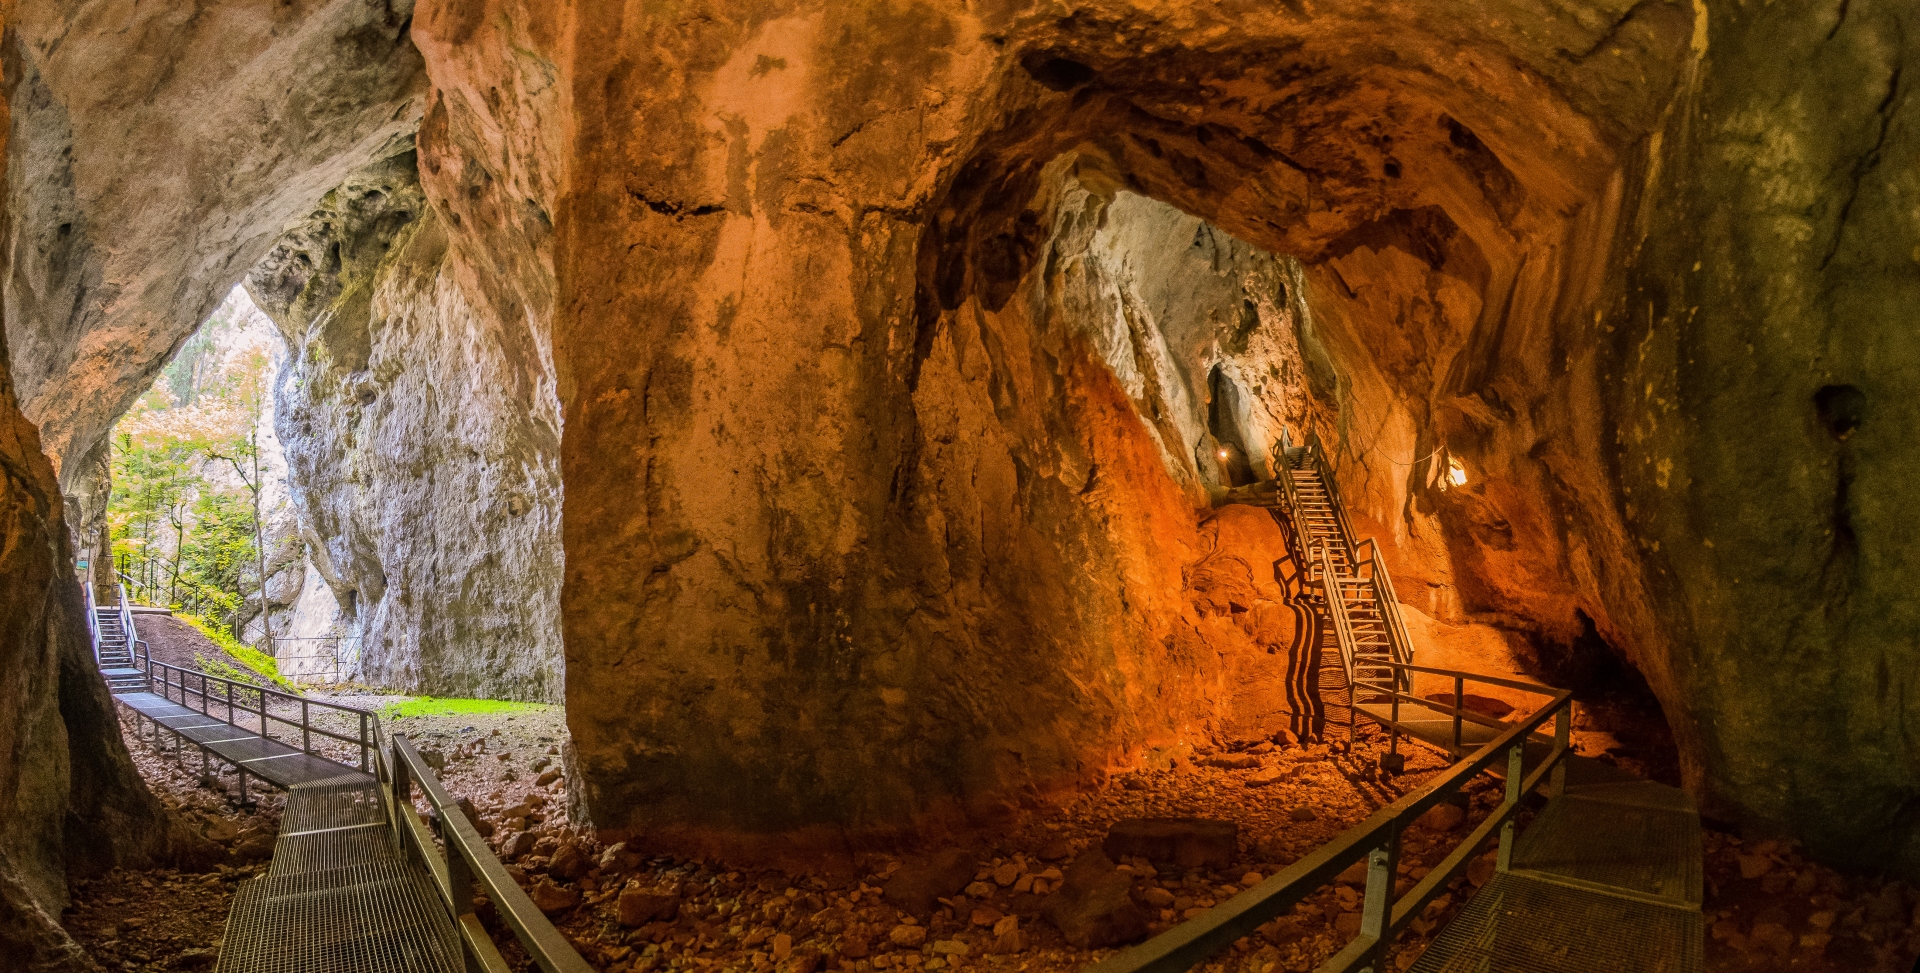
[137,205]
[422,471]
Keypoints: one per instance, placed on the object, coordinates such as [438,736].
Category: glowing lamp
[1456,474]
[1223,454]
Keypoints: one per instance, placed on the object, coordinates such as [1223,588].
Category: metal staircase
[117,649]
[1356,597]
[1606,878]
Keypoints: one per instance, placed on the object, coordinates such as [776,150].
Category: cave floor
[1767,908]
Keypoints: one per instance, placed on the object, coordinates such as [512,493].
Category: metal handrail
[462,858]
[1376,841]
[172,677]
[126,617]
[93,620]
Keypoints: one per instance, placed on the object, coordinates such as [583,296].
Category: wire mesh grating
[1522,925]
[1650,851]
[339,897]
[335,802]
[376,917]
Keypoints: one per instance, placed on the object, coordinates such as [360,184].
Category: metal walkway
[1608,875]
[280,764]
[359,882]
[340,897]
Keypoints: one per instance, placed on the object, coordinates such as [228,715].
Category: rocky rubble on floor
[1057,892]
[1769,908]
[174,918]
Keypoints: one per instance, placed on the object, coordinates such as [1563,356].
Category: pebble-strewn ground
[1767,909]
[171,919]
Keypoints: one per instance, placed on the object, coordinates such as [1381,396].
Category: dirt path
[177,643]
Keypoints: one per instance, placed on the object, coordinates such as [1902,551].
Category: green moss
[253,659]
[434,706]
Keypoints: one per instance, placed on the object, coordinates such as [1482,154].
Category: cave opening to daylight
[931,488]
[187,514]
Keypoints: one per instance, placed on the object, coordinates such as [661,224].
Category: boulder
[1442,817]
[1268,776]
[1181,842]
[521,843]
[1094,907]
[638,907]
[918,887]
[1232,761]
[569,863]
[552,899]
[620,858]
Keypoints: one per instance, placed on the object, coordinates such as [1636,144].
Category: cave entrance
[189,508]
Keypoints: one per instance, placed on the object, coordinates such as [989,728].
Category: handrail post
[459,876]
[1377,907]
[1393,762]
[1562,732]
[1459,704]
[363,742]
[402,789]
[306,729]
[1516,762]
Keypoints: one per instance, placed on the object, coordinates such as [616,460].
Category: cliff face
[887,354]
[421,451]
[75,804]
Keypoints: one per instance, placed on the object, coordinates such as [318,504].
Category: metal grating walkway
[1636,848]
[1520,924]
[280,764]
[339,897]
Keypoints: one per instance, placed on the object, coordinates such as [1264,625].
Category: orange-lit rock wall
[888,421]
[856,535]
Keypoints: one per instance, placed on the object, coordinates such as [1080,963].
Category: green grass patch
[441,706]
[258,662]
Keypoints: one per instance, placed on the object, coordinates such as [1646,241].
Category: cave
[860,451]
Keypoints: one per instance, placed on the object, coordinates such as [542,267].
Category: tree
[185,509]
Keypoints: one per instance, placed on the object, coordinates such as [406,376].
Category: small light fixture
[1456,474]
[1223,454]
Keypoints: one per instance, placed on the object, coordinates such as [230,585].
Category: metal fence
[1376,841]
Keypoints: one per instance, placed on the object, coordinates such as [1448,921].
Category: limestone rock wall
[888,431]
[421,454]
[139,204]
[1758,372]
[75,804]
[847,469]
